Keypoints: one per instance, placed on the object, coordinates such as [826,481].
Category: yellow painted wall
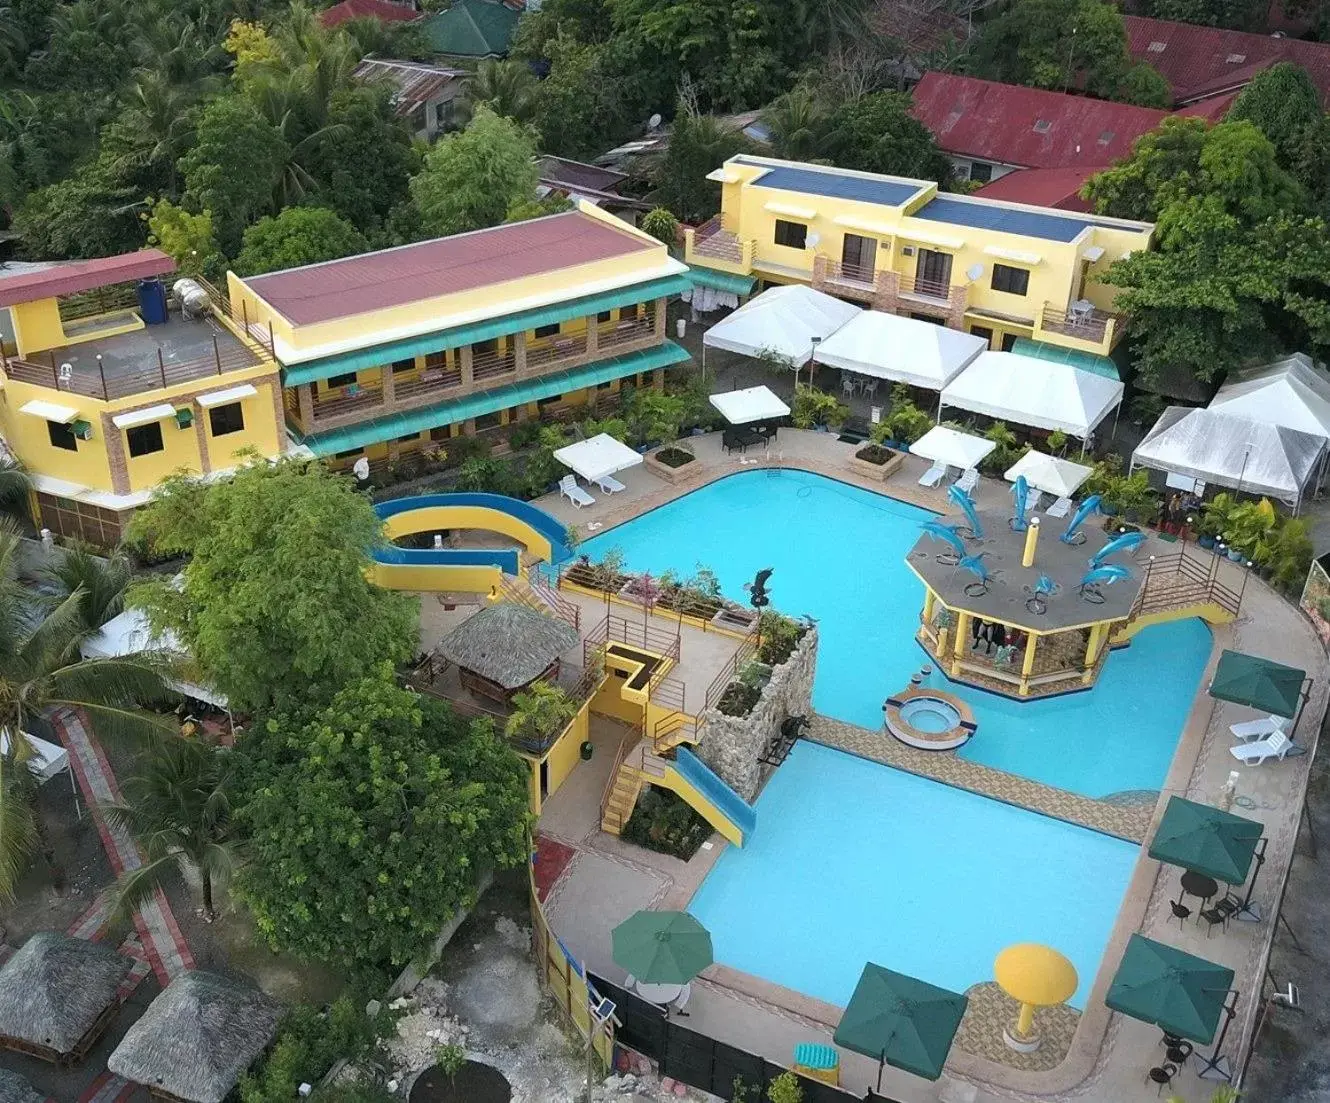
[263,431]
[436,518]
[609,700]
[37,326]
[427,578]
[564,756]
[702,806]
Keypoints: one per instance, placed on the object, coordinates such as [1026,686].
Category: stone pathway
[991,1010]
[1130,821]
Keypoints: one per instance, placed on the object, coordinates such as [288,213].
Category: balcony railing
[1082,322]
[540,354]
[349,401]
[493,365]
[430,382]
[850,281]
[720,247]
[613,334]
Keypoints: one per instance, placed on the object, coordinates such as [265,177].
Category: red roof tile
[444,266]
[383,10]
[1056,188]
[83,275]
[1206,61]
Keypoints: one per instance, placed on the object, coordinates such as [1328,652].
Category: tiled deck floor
[991,1010]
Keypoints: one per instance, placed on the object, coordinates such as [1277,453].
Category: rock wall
[730,745]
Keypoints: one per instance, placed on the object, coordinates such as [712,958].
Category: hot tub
[929,719]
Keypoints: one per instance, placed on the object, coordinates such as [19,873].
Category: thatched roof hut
[15,1089]
[57,994]
[507,646]
[197,1038]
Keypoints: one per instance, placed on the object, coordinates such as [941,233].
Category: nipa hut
[505,647]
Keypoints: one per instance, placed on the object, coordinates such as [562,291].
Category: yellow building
[387,352]
[107,392]
[1000,270]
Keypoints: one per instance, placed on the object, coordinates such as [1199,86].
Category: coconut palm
[96,583]
[15,487]
[798,122]
[508,88]
[179,812]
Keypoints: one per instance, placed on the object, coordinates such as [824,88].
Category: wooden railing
[98,300]
[431,381]
[346,401]
[612,334]
[727,673]
[492,365]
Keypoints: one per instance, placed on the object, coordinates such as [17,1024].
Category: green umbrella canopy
[1260,683]
[1179,993]
[907,1023]
[1208,840]
[662,947]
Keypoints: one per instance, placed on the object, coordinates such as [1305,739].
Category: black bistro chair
[1218,916]
[1180,911]
[1161,1076]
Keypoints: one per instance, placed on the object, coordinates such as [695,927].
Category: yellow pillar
[1031,539]
[1092,647]
[1026,1020]
[962,634]
[1028,665]
[929,598]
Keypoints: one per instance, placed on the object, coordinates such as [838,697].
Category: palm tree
[41,669]
[508,88]
[179,812]
[797,121]
[15,487]
[97,584]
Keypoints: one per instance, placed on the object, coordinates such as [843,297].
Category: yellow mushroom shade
[1034,976]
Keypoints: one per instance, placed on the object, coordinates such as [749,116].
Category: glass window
[1009,341]
[489,421]
[404,365]
[981,172]
[604,315]
[791,234]
[145,439]
[345,380]
[62,436]
[1014,281]
[984,332]
[551,330]
[226,419]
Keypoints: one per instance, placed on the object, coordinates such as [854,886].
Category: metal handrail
[747,648]
[630,741]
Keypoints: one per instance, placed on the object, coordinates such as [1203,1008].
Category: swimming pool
[838,554]
[854,862]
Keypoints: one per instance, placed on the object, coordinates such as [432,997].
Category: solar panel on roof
[1050,227]
[888,193]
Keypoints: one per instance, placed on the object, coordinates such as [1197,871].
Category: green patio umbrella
[903,1022]
[662,947]
[1177,992]
[1207,840]
[1260,683]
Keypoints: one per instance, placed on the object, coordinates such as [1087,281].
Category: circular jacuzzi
[929,719]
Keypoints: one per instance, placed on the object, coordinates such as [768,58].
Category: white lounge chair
[1258,729]
[609,484]
[933,475]
[1275,746]
[1035,500]
[969,479]
[1060,508]
[569,489]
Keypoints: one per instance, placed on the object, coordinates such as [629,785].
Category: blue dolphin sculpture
[1020,490]
[975,565]
[938,531]
[1073,529]
[1104,576]
[1126,542]
[966,504]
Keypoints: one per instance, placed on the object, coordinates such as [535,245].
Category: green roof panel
[720,281]
[457,336]
[472,28]
[487,402]
[1086,361]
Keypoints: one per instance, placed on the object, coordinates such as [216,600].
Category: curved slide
[472,570]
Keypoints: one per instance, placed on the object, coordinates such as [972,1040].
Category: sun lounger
[1258,729]
[969,479]
[1033,502]
[1276,746]
[933,475]
[569,489]
[1060,508]
[609,484]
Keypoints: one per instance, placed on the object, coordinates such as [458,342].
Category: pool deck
[1109,1054]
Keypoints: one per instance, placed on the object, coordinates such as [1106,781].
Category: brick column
[305,403]
[115,455]
[592,336]
[201,435]
[389,386]
[519,352]
[274,383]
[661,318]
[464,365]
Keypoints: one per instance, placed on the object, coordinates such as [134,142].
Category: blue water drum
[152,301]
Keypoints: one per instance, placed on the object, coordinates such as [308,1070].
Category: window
[1009,341]
[483,347]
[408,437]
[981,171]
[346,380]
[441,432]
[489,421]
[604,315]
[647,377]
[404,365]
[145,439]
[984,332]
[436,359]
[347,454]
[794,235]
[1014,281]
[226,419]
[551,330]
[62,436]
[627,313]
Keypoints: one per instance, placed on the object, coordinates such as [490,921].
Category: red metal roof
[1206,61]
[83,275]
[382,10]
[1057,188]
[444,266]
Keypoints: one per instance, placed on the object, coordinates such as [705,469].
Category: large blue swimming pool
[838,555]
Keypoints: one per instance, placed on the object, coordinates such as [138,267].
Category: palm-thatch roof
[197,1038]
[54,989]
[15,1089]
[508,644]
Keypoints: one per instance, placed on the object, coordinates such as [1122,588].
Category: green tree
[877,133]
[179,812]
[299,235]
[797,122]
[275,606]
[508,88]
[578,104]
[472,179]
[1284,104]
[698,145]
[186,238]
[96,584]
[1237,15]
[540,712]
[660,224]
[371,820]
[91,213]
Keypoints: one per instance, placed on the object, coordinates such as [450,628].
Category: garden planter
[869,468]
[1205,541]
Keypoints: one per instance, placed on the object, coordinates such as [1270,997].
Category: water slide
[709,796]
[472,570]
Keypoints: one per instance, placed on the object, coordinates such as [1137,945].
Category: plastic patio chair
[933,475]
[1277,746]
[969,479]
[1060,508]
[609,484]
[569,489]
[1258,729]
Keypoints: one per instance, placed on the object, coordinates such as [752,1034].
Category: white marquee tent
[1237,452]
[597,457]
[943,444]
[1029,391]
[1049,474]
[1291,393]
[781,322]
[904,349]
[749,405]
[129,633]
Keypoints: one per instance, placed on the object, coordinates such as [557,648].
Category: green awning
[1086,361]
[491,401]
[1177,992]
[1207,840]
[720,281]
[900,1021]
[664,947]
[457,336]
[1262,684]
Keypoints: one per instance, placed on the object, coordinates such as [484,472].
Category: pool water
[930,716]
[854,862]
[838,555]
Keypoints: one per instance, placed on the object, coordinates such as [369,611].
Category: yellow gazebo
[1034,976]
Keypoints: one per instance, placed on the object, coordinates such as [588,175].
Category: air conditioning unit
[907,251]
[81,429]
[184,417]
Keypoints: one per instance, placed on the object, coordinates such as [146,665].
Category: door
[858,257]
[933,274]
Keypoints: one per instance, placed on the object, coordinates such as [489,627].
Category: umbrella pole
[1216,1066]
[880,1062]
[1249,912]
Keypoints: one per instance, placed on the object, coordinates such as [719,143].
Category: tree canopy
[299,235]
[1284,104]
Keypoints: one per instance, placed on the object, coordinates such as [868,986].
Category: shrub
[813,407]
[483,473]
[663,822]
[660,224]
[523,435]
[738,699]
[780,636]
[785,1089]
[461,449]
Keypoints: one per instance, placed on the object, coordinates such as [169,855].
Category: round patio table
[662,995]
[1198,884]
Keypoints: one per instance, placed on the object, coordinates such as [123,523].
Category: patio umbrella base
[1021,1044]
[1213,1068]
[1250,913]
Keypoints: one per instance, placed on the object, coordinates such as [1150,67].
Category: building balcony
[847,281]
[1079,326]
[713,247]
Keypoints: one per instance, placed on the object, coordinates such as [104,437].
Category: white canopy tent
[1236,452]
[130,633]
[1030,391]
[1050,474]
[598,456]
[45,759]
[942,444]
[1291,393]
[749,405]
[903,349]
[783,322]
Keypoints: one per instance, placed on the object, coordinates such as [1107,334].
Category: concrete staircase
[636,768]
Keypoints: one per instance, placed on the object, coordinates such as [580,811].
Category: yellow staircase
[1177,587]
[635,768]
[674,730]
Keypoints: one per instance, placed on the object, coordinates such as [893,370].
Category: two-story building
[1000,270]
[386,352]
[109,388]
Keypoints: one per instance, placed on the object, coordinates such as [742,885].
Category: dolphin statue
[1020,490]
[1128,541]
[1073,529]
[965,503]
[938,531]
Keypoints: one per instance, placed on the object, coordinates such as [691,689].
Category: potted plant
[814,409]
[540,714]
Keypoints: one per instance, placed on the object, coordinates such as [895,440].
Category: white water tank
[193,300]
